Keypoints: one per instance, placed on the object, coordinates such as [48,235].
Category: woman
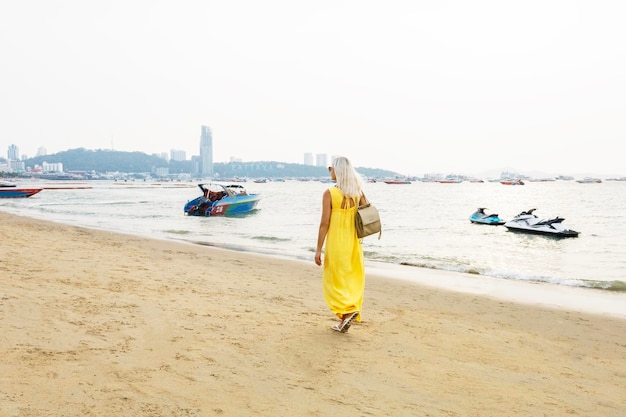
[343,276]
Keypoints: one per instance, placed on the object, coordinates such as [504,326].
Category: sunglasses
[329,168]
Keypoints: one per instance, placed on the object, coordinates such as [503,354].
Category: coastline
[100,323]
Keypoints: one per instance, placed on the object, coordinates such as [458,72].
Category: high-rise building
[178,155]
[321,159]
[308,158]
[206,151]
[13,154]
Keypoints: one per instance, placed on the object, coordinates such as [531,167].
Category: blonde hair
[348,180]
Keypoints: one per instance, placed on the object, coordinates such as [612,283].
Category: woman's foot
[347,321]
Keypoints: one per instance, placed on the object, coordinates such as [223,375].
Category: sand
[103,324]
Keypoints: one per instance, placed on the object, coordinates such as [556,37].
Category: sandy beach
[103,324]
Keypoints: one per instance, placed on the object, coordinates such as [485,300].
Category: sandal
[344,325]
[347,322]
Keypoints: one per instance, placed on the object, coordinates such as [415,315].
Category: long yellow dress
[343,276]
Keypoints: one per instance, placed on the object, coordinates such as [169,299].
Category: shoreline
[101,323]
[533,293]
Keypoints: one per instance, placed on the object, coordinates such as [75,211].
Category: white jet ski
[527,222]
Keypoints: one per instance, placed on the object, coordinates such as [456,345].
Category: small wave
[617,286]
[270,239]
[177,232]
[614,286]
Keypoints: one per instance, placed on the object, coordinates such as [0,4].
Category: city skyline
[323,159]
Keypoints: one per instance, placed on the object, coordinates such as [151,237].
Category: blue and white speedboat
[480,217]
[218,199]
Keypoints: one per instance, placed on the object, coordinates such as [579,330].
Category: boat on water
[396,181]
[512,182]
[589,180]
[18,192]
[480,217]
[527,222]
[7,184]
[218,199]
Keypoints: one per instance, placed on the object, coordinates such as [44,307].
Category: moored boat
[512,182]
[218,199]
[396,181]
[589,180]
[18,192]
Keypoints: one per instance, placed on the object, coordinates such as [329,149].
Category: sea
[425,226]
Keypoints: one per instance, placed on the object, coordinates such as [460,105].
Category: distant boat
[17,192]
[450,181]
[512,182]
[397,181]
[589,180]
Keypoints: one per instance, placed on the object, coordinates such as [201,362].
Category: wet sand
[103,324]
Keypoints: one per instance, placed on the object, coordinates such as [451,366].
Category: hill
[107,161]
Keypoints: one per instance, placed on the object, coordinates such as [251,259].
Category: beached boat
[218,199]
[18,192]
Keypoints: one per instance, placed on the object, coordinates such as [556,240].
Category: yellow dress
[343,276]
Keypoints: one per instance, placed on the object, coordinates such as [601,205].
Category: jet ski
[480,217]
[527,222]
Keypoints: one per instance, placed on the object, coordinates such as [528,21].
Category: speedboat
[18,192]
[527,222]
[218,199]
[480,217]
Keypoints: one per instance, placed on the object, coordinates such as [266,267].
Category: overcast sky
[412,86]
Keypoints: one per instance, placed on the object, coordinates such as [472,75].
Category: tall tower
[13,153]
[206,151]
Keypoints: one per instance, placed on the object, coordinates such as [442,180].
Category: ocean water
[424,225]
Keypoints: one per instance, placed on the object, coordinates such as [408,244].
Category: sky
[416,87]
